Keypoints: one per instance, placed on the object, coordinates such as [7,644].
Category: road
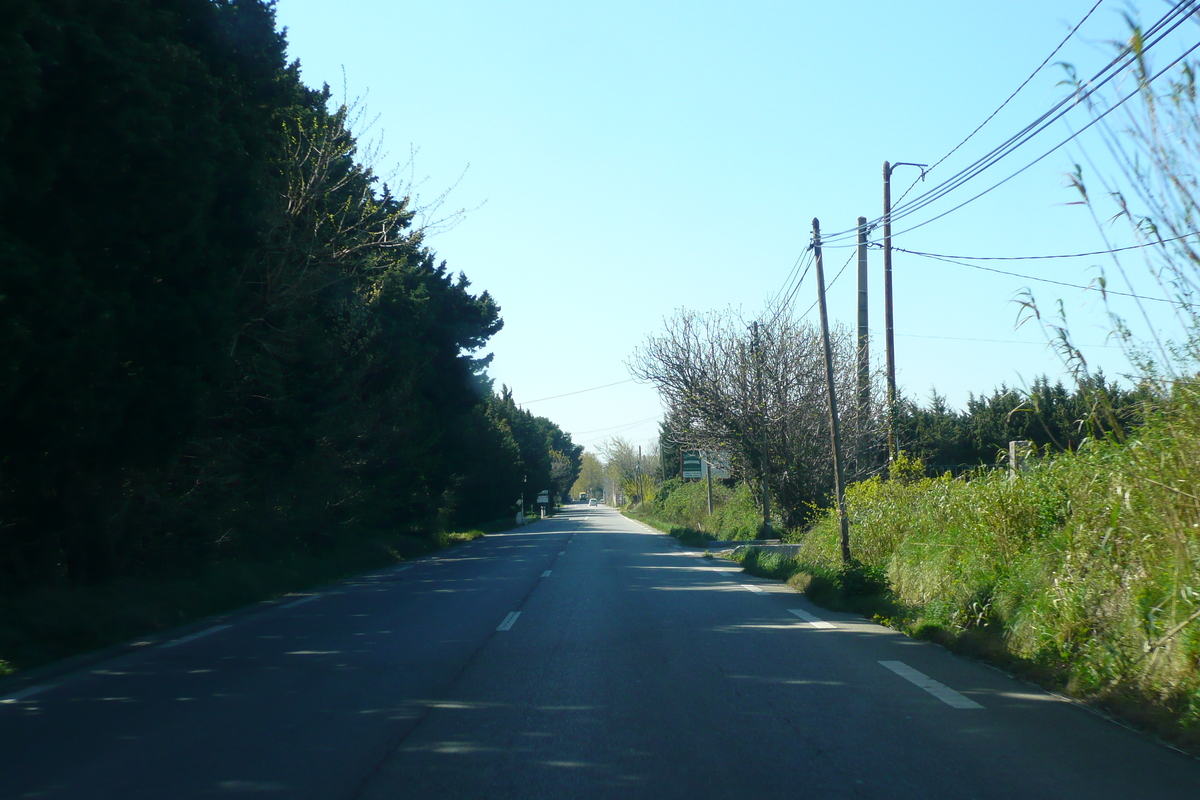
[582,656]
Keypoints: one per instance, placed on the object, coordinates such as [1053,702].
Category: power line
[1100,289]
[613,427]
[622,429]
[1000,108]
[993,341]
[1152,37]
[1041,124]
[1049,152]
[581,391]
[1034,258]
[840,271]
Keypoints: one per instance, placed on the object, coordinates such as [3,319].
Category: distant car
[592,502]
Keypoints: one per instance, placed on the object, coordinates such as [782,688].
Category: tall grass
[682,509]
[1086,565]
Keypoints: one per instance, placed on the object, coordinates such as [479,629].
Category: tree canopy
[221,332]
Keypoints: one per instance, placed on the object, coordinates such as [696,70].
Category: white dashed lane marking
[509,620]
[27,692]
[750,588]
[546,574]
[816,622]
[938,690]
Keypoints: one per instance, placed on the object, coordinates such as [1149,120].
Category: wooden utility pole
[762,411]
[831,392]
[641,490]
[662,456]
[708,472]
[864,355]
[889,341]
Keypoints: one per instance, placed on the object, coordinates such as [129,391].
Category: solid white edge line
[546,574]
[302,600]
[26,692]
[815,621]
[938,690]
[509,620]
[204,632]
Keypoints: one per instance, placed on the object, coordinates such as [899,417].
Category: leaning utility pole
[831,392]
[762,410]
[864,357]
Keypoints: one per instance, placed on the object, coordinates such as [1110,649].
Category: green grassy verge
[684,533]
[1082,573]
[681,510]
[56,622]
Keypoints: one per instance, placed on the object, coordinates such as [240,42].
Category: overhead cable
[581,391]
[1034,258]
[1000,108]
[1102,289]
[1153,36]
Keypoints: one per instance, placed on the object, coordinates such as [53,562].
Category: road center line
[938,690]
[546,574]
[816,622]
[204,632]
[509,620]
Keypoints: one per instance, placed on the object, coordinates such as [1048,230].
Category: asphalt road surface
[582,656]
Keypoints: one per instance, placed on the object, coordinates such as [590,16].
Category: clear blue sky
[627,159]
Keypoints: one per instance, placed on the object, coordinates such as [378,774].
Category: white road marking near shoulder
[546,574]
[26,692]
[816,622]
[938,690]
[301,601]
[726,574]
[509,620]
[562,552]
[705,562]
[751,588]
[194,636]
[410,566]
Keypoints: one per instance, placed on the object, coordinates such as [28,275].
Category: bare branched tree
[707,370]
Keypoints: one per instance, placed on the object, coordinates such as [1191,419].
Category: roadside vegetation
[681,509]
[1082,569]
[54,622]
[228,352]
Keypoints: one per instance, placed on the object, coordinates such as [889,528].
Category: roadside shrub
[1085,566]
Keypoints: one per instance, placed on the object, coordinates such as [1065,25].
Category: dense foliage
[1086,565]
[1050,416]
[219,332]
